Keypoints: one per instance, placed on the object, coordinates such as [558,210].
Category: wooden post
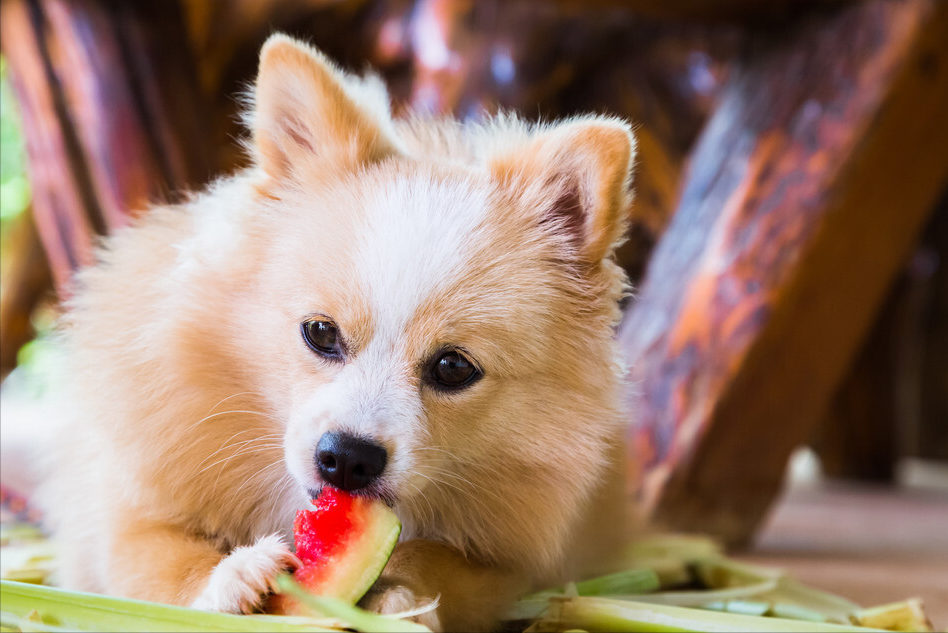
[806,191]
[60,193]
[111,115]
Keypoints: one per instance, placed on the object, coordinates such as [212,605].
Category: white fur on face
[418,240]
[415,242]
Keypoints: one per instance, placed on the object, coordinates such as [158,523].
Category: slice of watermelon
[343,544]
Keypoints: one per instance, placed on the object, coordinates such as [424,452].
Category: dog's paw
[240,581]
[395,599]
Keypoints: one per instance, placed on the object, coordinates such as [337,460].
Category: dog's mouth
[376,492]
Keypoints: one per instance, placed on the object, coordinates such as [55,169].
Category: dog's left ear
[576,175]
[306,109]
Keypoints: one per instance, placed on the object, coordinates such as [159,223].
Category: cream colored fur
[192,406]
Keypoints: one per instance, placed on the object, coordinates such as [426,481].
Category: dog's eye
[322,336]
[452,370]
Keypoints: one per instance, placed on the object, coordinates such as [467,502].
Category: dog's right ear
[575,176]
[306,109]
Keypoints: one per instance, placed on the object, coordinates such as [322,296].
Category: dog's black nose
[349,462]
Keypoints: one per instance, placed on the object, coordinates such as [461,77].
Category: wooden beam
[805,193]
[111,113]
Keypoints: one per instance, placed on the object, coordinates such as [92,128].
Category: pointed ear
[576,176]
[305,108]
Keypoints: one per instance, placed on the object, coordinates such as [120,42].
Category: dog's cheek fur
[523,477]
[527,446]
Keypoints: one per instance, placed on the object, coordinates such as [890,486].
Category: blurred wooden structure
[791,154]
[794,221]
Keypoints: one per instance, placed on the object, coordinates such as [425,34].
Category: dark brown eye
[322,337]
[452,370]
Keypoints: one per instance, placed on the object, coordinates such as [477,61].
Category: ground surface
[871,544]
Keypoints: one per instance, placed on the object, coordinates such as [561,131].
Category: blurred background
[788,243]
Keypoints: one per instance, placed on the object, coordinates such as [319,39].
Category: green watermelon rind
[368,556]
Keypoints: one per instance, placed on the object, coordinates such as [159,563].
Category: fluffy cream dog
[413,310]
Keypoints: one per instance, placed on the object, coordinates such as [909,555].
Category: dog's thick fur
[193,406]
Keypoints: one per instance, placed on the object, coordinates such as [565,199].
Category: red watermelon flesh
[344,544]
